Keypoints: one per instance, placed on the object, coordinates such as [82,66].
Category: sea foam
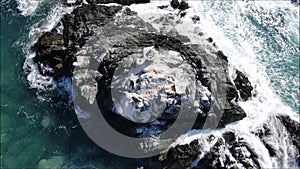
[242,55]
[28,7]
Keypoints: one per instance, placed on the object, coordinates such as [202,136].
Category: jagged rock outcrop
[230,151]
[56,53]
[243,85]
[293,128]
[182,5]
[92,33]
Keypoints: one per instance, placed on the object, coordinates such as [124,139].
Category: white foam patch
[28,7]
[34,77]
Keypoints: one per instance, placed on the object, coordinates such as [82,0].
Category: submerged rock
[52,162]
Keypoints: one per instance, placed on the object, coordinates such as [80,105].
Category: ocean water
[39,127]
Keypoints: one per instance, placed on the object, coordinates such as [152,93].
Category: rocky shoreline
[105,32]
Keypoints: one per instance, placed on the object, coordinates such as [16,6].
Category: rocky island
[108,49]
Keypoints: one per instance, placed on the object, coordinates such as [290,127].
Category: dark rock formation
[217,157]
[295,2]
[210,40]
[56,52]
[182,14]
[293,128]
[179,5]
[188,155]
[243,85]
[183,5]
[178,157]
[196,19]
[231,114]
[182,156]
[264,133]
[175,4]
[51,52]
[229,137]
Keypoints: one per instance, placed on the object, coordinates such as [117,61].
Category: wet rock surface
[228,151]
[100,34]
[293,129]
[264,133]
[92,34]
[55,52]
[182,5]
[243,85]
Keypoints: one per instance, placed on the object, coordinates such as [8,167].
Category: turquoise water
[271,30]
[279,49]
[33,130]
